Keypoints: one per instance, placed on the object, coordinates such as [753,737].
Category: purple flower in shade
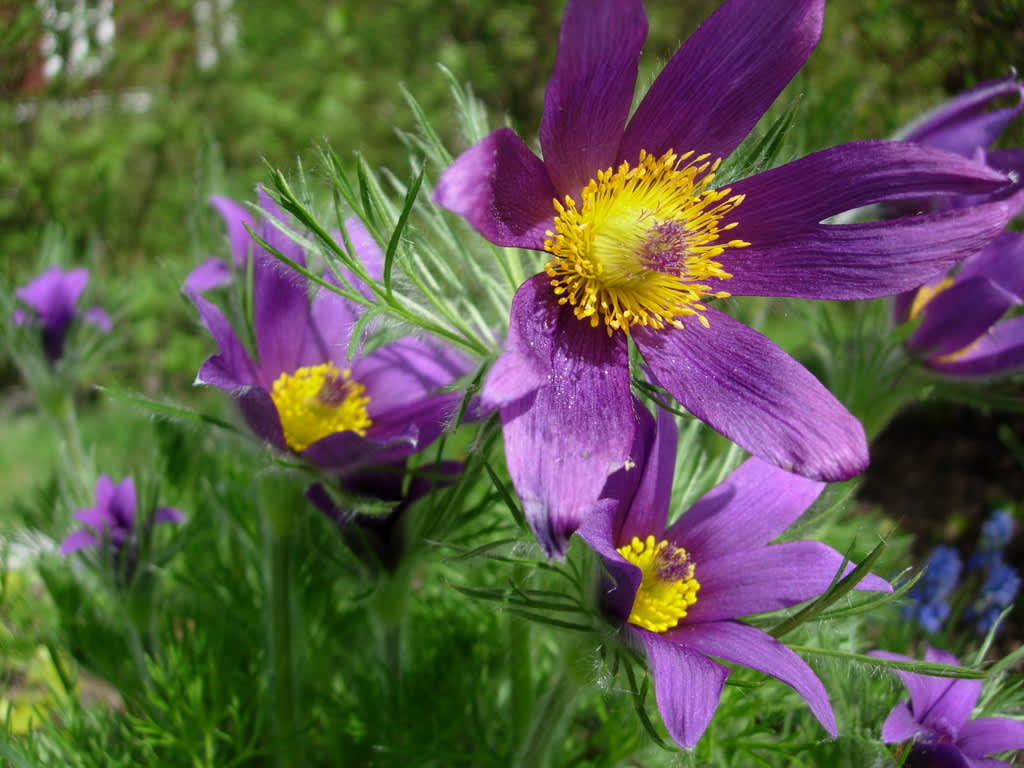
[300,393]
[965,329]
[928,598]
[113,521]
[937,718]
[51,300]
[996,594]
[639,239]
[677,590]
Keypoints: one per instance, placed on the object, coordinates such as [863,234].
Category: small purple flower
[639,241]
[929,595]
[996,594]
[965,328]
[937,718]
[51,303]
[300,393]
[112,521]
[677,591]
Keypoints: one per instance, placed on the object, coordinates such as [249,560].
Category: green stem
[549,720]
[390,614]
[280,499]
[520,664]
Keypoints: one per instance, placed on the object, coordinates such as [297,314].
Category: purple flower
[678,590]
[938,716]
[112,521]
[928,598]
[300,393]
[51,301]
[965,330]
[639,240]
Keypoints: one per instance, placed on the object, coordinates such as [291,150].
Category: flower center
[668,587]
[637,249]
[925,294]
[316,401]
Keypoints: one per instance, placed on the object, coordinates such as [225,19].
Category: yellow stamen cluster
[637,248]
[317,401]
[668,587]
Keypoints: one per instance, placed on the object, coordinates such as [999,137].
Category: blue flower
[941,574]
[996,594]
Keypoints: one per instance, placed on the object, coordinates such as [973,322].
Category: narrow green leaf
[396,236]
[918,667]
[168,410]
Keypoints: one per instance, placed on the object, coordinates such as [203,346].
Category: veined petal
[260,413]
[862,261]
[900,725]
[502,189]
[1001,350]
[724,78]
[331,320]
[428,416]
[591,90]
[965,122]
[755,504]
[1002,262]
[687,686]
[990,734]
[933,698]
[281,318]
[563,439]
[766,579]
[236,219]
[960,314]
[749,646]
[792,198]
[755,394]
[233,367]
[618,590]
[406,370]
[648,511]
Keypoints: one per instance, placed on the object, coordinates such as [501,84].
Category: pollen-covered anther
[667,588]
[640,246]
[316,401]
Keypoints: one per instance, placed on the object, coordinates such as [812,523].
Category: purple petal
[724,78]
[965,123]
[208,275]
[1002,262]
[331,320]
[281,318]
[990,734]
[104,492]
[421,421]
[98,317]
[861,261]
[233,367]
[347,450]
[1000,351]
[755,504]
[618,590]
[766,579]
[687,686]
[792,198]
[123,503]
[367,251]
[750,647]
[168,515]
[260,413]
[405,371]
[236,219]
[937,701]
[755,394]
[648,511]
[591,90]
[565,438]
[76,541]
[274,236]
[960,314]
[502,189]
[900,725]
[96,518]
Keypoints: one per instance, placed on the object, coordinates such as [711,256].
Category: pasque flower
[938,719]
[678,590]
[300,393]
[965,328]
[639,241]
[51,301]
[112,522]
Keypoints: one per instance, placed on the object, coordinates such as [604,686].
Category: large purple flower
[300,393]
[51,300]
[677,590]
[938,719]
[965,328]
[639,240]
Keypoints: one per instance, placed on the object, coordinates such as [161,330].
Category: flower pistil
[316,401]
[638,247]
[668,587]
